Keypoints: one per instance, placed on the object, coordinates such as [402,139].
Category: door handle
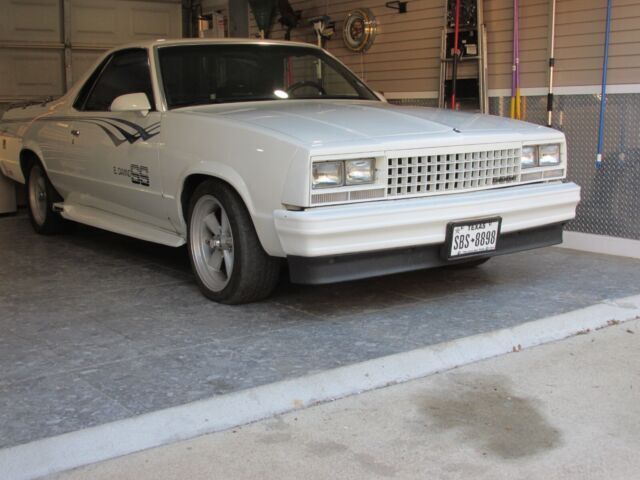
[75,133]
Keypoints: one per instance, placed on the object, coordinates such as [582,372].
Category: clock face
[359,30]
[356,30]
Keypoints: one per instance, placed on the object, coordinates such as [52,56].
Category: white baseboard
[588,242]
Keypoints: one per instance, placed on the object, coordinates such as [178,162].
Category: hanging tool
[552,62]
[518,98]
[603,94]
[323,27]
[263,11]
[515,67]
[456,56]
[512,105]
[289,18]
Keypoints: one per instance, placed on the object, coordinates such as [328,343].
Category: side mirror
[131,102]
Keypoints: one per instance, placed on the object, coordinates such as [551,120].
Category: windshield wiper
[242,99]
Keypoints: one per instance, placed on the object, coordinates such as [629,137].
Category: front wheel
[42,196]
[225,253]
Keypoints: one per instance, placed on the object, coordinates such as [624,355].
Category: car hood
[325,122]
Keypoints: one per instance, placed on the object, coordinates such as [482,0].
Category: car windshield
[205,74]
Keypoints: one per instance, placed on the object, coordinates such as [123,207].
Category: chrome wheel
[211,243]
[38,195]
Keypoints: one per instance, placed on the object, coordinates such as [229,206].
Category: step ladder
[471,84]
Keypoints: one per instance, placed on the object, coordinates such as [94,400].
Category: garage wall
[534,19]
[579,42]
[32,39]
[404,57]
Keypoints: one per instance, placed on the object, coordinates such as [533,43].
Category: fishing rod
[456,56]
[603,94]
[552,62]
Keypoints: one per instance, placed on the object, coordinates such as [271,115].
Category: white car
[252,152]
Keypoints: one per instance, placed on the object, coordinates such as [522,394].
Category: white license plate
[470,238]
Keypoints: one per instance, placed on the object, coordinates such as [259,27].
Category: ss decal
[139,174]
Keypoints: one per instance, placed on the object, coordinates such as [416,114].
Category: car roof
[162,42]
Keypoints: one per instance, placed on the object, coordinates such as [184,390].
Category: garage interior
[97,327]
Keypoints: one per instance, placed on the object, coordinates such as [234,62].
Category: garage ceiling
[37,35]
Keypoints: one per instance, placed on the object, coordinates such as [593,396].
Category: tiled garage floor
[96,327]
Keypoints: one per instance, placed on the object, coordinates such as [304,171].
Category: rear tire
[226,256]
[42,196]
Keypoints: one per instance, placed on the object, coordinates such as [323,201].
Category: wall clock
[360,29]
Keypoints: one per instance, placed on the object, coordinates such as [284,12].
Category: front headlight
[529,157]
[343,172]
[359,171]
[328,174]
[549,155]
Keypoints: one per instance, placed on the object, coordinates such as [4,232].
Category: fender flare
[218,171]
[31,146]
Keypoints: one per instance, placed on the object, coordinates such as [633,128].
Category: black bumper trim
[341,268]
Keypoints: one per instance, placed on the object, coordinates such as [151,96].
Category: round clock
[359,29]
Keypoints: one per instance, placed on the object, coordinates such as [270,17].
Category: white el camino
[261,153]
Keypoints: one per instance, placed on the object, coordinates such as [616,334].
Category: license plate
[472,238]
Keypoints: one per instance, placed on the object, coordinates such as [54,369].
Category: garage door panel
[93,23]
[30,21]
[149,20]
[31,73]
[147,23]
[97,23]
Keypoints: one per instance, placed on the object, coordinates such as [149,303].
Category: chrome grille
[452,172]
[330,197]
[355,195]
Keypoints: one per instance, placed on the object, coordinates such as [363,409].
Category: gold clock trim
[368,28]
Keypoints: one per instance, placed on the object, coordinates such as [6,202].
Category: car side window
[126,72]
[86,89]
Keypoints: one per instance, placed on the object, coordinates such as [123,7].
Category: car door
[115,154]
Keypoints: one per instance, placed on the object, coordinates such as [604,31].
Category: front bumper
[394,224]
[340,268]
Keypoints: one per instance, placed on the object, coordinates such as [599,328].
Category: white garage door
[45,45]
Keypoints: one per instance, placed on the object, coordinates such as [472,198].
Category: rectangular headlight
[549,155]
[358,172]
[529,157]
[328,174]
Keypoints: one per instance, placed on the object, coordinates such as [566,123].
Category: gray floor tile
[24,358]
[52,405]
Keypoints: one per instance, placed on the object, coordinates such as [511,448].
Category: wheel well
[27,159]
[190,185]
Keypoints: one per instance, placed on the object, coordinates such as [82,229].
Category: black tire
[469,264]
[41,196]
[254,274]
